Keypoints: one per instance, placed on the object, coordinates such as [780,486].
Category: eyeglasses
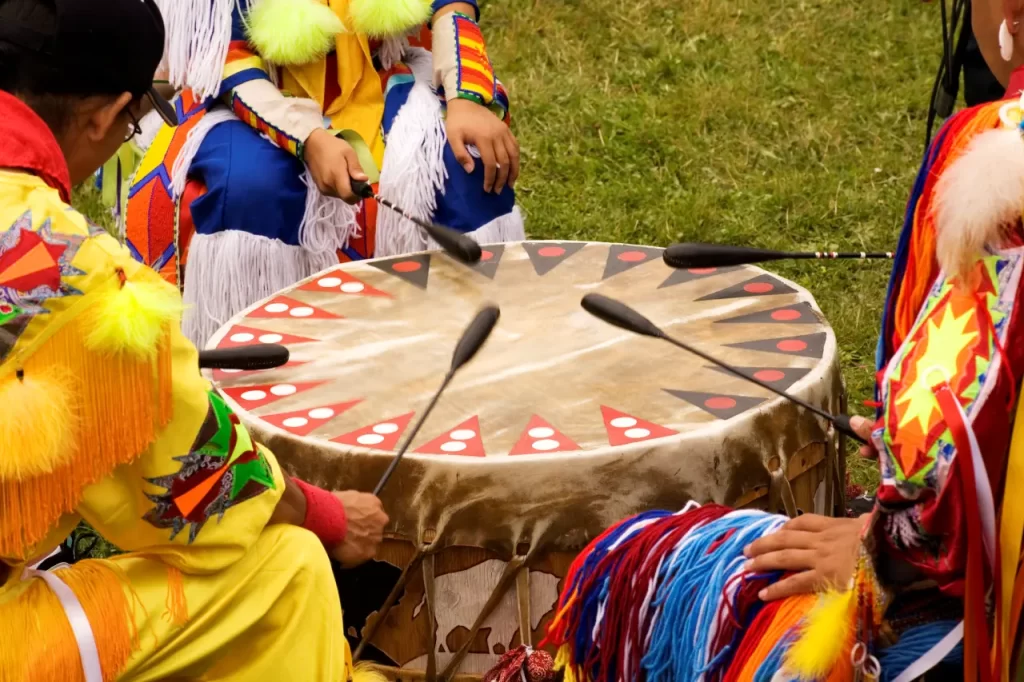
[136,127]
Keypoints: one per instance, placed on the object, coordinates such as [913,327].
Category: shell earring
[1005,41]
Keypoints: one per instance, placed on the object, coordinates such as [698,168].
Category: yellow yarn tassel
[36,424]
[824,636]
[366,672]
[383,18]
[293,32]
[132,316]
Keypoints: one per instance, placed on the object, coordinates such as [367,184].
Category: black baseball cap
[89,47]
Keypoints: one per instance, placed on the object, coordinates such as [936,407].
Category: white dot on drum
[282,389]
[304,311]
[370,439]
[637,433]
[242,337]
[271,338]
[329,282]
[295,422]
[545,445]
[352,287]
[623,422]
[453,446]
[321,413]
[462,434]
[386,427]
[276,307]
[541,432]
[253,395]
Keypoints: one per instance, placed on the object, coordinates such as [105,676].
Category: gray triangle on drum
[717,404]
[805,346]
[490,256]
[622,257]
[776,377]
[413,269]
[684,275]
[546,256]
[762,285]
[798,313]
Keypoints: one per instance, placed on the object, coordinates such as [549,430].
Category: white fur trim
[328,223]
[182,164]
[229,271]
[978,196]
[198,35]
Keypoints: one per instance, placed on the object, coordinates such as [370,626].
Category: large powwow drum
[560,427]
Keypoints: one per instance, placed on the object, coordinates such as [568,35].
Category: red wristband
[325,514]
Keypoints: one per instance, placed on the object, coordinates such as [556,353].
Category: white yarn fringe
[506,228]
[179,173]
[229,271]
[328,222]
[413,169]
[198,35]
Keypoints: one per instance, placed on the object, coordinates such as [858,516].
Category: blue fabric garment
[251,185]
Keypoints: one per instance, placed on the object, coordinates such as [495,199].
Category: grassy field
[780,124]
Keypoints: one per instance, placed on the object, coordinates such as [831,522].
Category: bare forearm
[291,508]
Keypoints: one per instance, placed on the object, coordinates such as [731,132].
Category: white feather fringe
[229,271]
[328,223]
[198,35]
[978,197]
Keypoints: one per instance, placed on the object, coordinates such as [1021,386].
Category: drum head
[371,341]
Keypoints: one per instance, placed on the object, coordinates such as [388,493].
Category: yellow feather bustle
[383,18]
[293,32]
[824,636]
[365,672]
[133,317]
[40,399]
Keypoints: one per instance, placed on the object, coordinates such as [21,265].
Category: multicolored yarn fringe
[664,597]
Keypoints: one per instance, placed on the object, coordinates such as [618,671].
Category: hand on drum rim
[366,521]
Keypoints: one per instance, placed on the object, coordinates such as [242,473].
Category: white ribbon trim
[933,656]
[80,626]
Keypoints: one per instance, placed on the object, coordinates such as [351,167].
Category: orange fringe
[121,404]
[792,611]
[37,616]
[176,603]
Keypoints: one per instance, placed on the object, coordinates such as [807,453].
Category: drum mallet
[619,314]
[245,358]
[460,246]
[695,255]
[473,338]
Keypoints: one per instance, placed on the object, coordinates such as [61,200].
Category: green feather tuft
[293,32]
[383,18]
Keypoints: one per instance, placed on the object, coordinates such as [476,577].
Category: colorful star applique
[224,468]
[33,268]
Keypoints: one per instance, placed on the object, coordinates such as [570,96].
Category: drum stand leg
[512,569]
[523,599]
[780,493]
[428,590]
[382,614]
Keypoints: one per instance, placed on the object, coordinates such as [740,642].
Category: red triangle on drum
[807,345]
[540,437]
[340,281]
[383,435]
[798,313]
[624,429]
[683,275]
[622,257]
[226,374]
[413,269]
[546,256]
[304,422]
[490,256]
[776,377]
[717,404]
[282,307]
[762,285]
[244,336]
[464,440]
[252,397]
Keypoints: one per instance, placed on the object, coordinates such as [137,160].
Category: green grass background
[773,123]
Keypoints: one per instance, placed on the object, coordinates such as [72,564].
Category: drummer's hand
[333,163]
[820,551]
[366,521]
[863,428]
[470,123]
